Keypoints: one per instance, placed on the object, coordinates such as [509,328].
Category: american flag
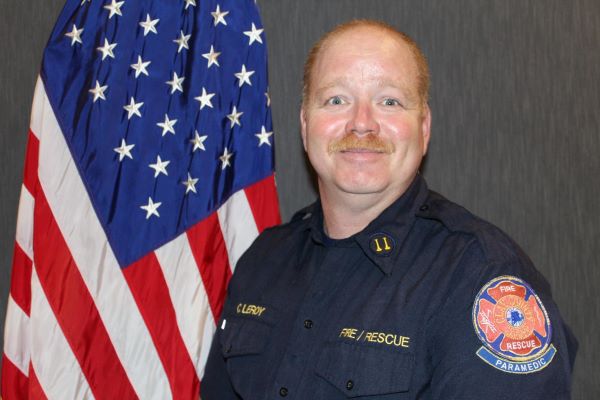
[149,170]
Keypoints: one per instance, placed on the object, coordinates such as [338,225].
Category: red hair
[419,57]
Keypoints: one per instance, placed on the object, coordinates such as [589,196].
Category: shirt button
[349,385]
[308,324]
[283,392]
[424,207]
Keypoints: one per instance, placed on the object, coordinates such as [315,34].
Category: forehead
[364,52]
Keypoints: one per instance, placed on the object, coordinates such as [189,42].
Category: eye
[335,101]
[391,102]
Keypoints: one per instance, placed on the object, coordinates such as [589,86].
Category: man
[383,289]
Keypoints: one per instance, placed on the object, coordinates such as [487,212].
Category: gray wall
[516,128]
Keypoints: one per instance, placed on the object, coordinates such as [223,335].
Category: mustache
[369,142]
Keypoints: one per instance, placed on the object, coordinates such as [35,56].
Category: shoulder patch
[513,325]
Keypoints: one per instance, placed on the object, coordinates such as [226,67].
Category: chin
[361,187]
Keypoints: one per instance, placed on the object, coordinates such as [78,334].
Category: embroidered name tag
[250,309]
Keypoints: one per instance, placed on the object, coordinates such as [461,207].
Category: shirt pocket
[243,345]
[360,370]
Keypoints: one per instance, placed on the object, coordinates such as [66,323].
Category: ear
[426,127]
[303,125]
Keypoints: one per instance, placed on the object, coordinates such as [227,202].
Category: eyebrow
[336,82]
[384,82]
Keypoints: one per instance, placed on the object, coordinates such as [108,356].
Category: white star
[182,41]
[149,25]
[212,57]
[190,184]
[244,76]
[98,91]
[124,150]
[167,126]
[175,83]
[160,167]
[219,16]
[234,117]
[225,159]
[268,96]
[133,108]
[254,35]
[263,137]
[189,3]
[107,49]
[198,142]
[151,208]
[140,67]
[115,8]
[75,35]
[204,99]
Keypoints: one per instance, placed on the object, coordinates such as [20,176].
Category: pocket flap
[243,336]
[364,370]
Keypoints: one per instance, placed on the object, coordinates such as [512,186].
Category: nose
[362,121]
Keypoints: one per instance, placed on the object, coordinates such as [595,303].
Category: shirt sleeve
[479,339]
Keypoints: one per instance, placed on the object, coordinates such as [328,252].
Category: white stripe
[38,108]
[99,269]
[192,309]
[24,236]
[238,226]
[54,363]
[16,336]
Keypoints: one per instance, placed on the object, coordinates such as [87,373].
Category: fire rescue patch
[513,325]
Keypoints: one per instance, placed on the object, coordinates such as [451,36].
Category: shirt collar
[317,232]
[393,224]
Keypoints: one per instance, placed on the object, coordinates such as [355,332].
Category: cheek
[403,130]
[320,130]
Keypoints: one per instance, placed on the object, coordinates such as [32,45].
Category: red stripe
[36,392]
[74,308]
[30,174]
[149,288]
[20,285]
[14,382]
[208,247]
[262,197]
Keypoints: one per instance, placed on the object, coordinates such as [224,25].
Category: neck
[345,214]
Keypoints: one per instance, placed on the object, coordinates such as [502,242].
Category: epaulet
[493,241]
[304,213]
[451,215]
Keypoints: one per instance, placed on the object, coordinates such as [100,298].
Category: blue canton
[165,108]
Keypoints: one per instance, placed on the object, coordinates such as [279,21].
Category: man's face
[364,126]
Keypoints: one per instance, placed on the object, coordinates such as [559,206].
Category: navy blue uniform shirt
[427,302]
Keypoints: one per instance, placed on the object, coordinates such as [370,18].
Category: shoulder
[276,248]
[487,252]
[283,235]
[493,278]
[495,246]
